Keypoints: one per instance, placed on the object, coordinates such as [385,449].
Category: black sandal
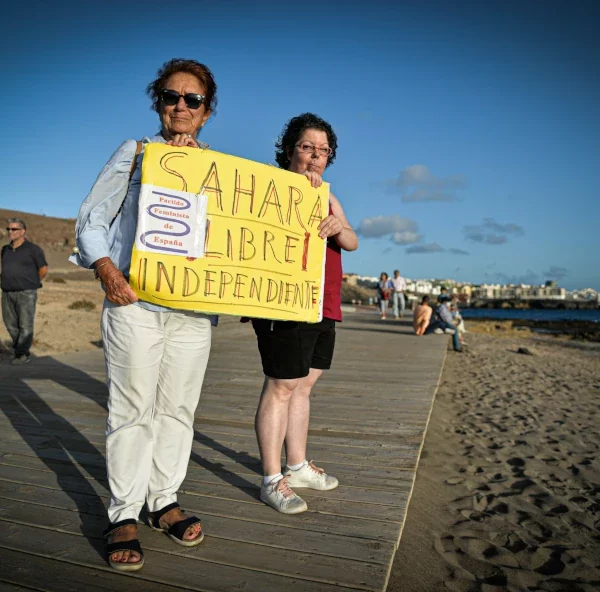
[133,545]
[177,530]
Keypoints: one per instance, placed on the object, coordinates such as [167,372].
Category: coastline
[559,329]
[507,493]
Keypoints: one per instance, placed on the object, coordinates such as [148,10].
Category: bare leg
[271,421]
[298,418]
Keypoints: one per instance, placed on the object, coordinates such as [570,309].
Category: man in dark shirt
[23,268]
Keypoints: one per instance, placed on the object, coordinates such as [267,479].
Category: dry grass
[82,305]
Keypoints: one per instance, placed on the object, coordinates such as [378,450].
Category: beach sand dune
[507,495]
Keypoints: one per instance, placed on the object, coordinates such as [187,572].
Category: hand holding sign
[221,234]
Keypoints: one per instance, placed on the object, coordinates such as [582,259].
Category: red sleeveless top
[332,289]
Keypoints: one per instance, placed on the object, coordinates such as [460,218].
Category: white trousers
[155,365]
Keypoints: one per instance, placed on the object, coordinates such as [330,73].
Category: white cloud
[529,277]
[424,249]
[406,238]
[402,230]
[491,232]
[556,273]
[417,183]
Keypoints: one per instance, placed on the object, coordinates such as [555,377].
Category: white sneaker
[449,331]
[278,495]
[438,331]
[311,477]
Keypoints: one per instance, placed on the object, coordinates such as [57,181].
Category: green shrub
[82,305]
[58,280]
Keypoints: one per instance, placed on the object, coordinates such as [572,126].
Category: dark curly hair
[200,71]
[292,131]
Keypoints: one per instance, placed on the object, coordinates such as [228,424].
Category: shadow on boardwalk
[64,450]
[58,444]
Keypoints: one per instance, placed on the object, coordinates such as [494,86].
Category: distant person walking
[384,288]
[23,269]
[398,301]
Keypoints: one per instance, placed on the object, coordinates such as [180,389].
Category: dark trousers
[18,312]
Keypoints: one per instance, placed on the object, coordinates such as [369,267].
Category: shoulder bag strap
[138,150]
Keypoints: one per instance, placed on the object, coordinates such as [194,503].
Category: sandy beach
[507,494]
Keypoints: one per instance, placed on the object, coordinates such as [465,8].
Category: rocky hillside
[43,230]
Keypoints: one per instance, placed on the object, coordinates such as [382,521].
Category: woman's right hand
[314,178]
[116,287]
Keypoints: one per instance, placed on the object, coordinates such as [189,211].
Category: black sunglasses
[171,97]
[13,229]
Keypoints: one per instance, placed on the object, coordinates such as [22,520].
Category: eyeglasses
[13,229]
[308,147]
[171,97]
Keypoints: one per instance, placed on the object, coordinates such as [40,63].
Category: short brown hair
[200,71]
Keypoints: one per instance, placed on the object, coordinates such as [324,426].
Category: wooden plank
[209,484]
[250,511]
[361,476]
[271,558]
[189,572]
[51,575]
[355,503]
[356,549]
[378,458]
[376,453]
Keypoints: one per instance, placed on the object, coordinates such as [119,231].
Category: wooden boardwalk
[369,415]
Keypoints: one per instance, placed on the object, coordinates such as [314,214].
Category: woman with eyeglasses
[155,356]
[293,354]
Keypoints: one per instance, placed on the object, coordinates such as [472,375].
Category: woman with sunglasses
[155,356]
[293,354]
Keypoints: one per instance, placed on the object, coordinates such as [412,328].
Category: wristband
[97,268]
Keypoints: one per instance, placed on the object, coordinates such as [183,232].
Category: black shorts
[289,349]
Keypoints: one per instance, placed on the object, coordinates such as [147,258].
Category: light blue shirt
[95,235]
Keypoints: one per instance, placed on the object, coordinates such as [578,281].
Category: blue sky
[469,132]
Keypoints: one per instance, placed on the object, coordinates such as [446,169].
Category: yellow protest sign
[225,235]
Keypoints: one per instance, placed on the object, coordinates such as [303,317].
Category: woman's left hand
[330,226]
[183,140]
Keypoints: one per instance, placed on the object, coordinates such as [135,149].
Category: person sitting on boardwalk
[422,316]
[155,357]
[442,322]
[384,289]
[294,354]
